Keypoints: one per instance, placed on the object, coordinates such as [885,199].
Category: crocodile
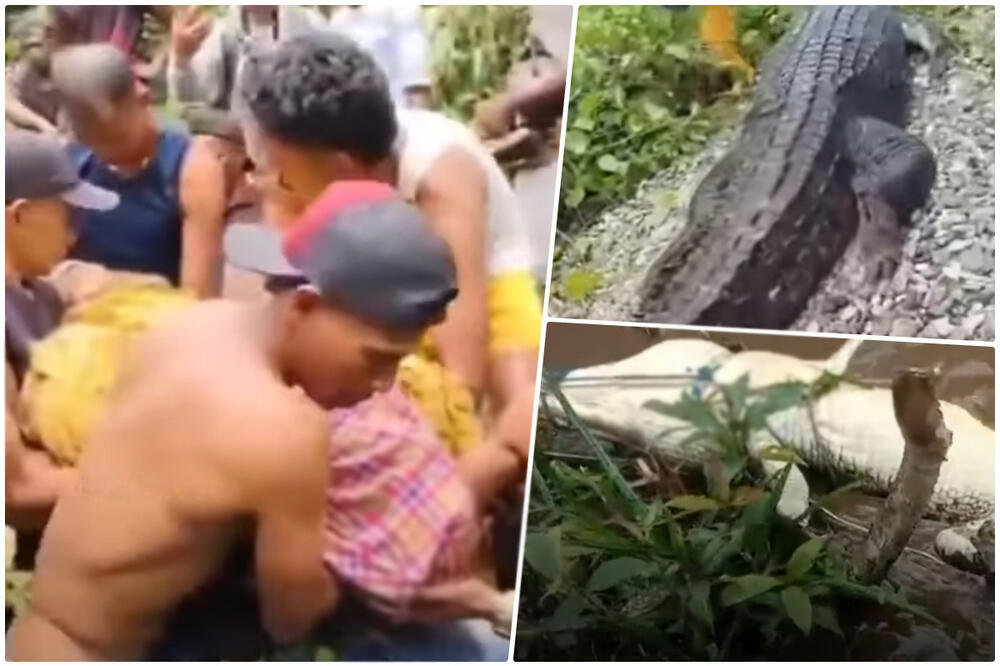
[822,171]
[850,429]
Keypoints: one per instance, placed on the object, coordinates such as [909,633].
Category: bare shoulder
[202,175]
[283,440]
[455,173]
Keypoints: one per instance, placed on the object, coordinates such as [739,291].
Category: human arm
[203,203]
[502,459]
[288,480]
[196,62]
[19,114]
[157,61]
[454,199]
[33,482]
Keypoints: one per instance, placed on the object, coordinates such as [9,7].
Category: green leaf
[580,284]
[655,112]
[611,164]
[776,398]
[698,602]
[803,558]
[541,551]
[615,571]
[570,608]
[798,607]
[576,142]
[677,51]
[736,394]
[781,454]
[694,503]
[575,196]
[653,513]
[825,617]
[747,587]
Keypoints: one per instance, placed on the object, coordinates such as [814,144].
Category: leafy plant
[645,91]
[472,50]
[710,575]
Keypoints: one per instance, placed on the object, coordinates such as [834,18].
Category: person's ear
[14,209]
[305,300]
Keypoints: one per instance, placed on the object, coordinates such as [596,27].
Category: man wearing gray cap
[41,186]
[218,431]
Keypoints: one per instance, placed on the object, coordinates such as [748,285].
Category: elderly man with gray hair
[172,187]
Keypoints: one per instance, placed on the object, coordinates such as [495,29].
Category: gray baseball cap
[38,167]
[362,248]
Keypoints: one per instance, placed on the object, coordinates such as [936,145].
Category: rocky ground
[944,287]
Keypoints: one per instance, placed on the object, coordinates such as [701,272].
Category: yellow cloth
[72,372]
[515,311]
[443,400]
[131,308]
[74,369]
[718,31]
[515,324]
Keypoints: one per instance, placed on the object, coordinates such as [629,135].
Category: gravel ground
[944,287]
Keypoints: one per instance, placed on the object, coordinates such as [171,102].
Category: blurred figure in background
[31,98]
[206,52]
[172,188]
[396,37]
[118,25]
[521,124]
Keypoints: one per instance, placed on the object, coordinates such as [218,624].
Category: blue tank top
[143,233]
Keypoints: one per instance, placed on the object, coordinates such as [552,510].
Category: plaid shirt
[399,517]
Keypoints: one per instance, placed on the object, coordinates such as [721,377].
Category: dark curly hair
[320,90]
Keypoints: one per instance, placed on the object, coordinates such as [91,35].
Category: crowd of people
[320,438]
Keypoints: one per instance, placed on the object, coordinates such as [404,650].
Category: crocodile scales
[821,170]
[850,429]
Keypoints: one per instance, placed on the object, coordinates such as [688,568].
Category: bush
[472,49]
[713,573]
[644,92]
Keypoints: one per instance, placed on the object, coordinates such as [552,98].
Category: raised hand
[189,26]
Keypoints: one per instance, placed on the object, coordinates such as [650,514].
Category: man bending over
[171,187]
[218,431]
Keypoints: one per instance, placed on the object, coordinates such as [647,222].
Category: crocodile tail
[837,364]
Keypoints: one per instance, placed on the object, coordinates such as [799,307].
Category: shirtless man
[209,438]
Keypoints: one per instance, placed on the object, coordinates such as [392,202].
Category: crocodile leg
[889,164]
[893,176]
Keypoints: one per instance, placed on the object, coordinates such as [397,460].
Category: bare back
[162,491]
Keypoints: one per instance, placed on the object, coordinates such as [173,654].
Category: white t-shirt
[424,136]
[395,36]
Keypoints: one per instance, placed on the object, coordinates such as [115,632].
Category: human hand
[494,117]
[189,25]
[513,427]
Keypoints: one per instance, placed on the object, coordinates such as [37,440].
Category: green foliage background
[472,49]
[644,92]
[714,573]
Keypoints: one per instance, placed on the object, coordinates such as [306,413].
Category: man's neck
[11,274]
[260,323]
[139,164]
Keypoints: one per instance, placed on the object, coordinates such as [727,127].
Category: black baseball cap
[38,168]
[362,248]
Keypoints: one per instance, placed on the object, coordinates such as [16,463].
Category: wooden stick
[927,441]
